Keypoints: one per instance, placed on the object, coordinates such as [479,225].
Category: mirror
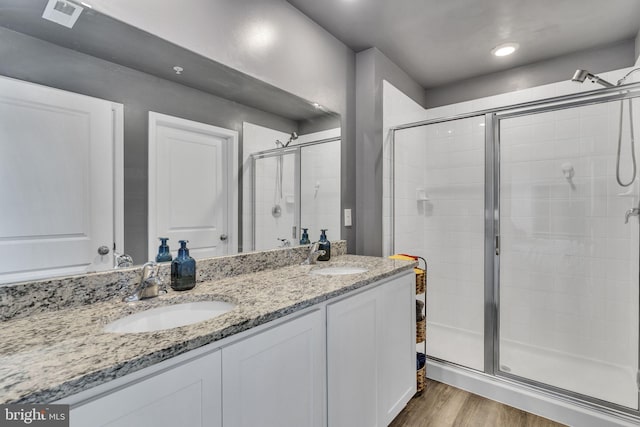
[104,58]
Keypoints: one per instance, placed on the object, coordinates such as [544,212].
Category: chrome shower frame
[492,118]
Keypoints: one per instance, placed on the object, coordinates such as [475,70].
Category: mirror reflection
[111,138]
[295,190]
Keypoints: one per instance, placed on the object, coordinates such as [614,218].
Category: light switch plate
[347,217]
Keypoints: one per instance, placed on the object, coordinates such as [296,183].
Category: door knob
[223,237]
[103,250]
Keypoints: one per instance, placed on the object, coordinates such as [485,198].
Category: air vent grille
[62,12]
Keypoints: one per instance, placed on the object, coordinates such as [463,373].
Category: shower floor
[455,345]
[589,377]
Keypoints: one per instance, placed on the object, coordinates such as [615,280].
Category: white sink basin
[338,271]
[170,316]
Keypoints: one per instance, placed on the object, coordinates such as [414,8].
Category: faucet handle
[284,243]
[149,270]
[122,260]
[631,212]
[154,277]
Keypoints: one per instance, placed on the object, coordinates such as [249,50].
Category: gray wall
[318,124]
[34,60]
[267,39]
[372,67]
[597,60]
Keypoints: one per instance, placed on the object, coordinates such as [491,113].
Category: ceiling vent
[62,12]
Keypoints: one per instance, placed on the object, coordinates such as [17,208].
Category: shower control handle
[631,212]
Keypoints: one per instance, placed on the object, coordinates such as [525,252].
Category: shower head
[293,137]
[581,75]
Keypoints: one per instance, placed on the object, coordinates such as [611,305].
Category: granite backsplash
[26,298]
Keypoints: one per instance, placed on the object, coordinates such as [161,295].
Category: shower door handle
[631,212]
[497,245]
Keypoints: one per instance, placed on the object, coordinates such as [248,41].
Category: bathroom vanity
[298,348]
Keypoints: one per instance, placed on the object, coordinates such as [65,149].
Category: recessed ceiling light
[505,49]
[178,69]
[260,35]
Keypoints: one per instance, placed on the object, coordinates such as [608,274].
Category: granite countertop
[47,356]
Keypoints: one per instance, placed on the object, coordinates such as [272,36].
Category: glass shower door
[568,264]
[439,214]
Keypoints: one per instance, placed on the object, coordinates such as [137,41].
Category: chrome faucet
[314,253]
[631,212]
[149,286]
[122,260]
[284,243]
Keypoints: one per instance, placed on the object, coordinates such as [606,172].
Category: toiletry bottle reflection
[164,254]
[304,240]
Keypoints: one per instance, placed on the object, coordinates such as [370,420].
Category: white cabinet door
[188,395]
[352,344]
[277,378]
[397,355]
[371,354]
[56,181]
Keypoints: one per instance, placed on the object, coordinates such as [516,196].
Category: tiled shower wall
[257,138]
[569,263]
[440,215]
[320,190]
[271,228]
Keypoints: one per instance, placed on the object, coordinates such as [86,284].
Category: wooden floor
[441,405]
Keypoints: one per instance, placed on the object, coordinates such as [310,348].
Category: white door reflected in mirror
[58,157]
[191,192]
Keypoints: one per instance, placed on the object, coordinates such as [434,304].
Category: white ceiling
[440,41]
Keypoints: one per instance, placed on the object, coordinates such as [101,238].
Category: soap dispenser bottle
[183,269]
[325,245]
[164,254]
[305,237]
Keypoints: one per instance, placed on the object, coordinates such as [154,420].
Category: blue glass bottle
[164,254]
[305,237]
[325,245]
[183,269]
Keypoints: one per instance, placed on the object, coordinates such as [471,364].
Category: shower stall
[532,243]
[293,187]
